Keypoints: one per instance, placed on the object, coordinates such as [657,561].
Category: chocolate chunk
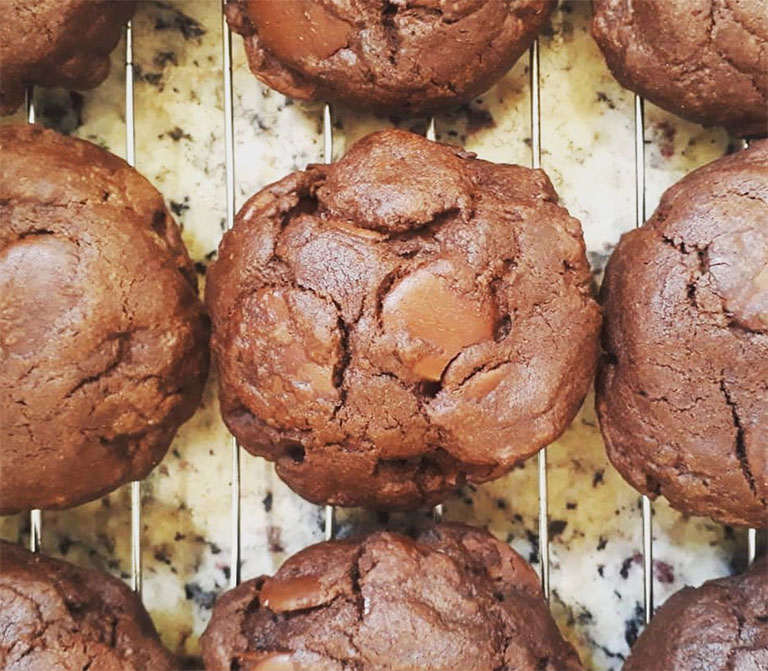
[431,322]
[300,30]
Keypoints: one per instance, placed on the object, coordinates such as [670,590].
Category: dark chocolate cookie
[386,56]
[705,60]
[57,43]
[54,615]
[720,626]
[408,317]
[682,392]
[455,599]
[102,335]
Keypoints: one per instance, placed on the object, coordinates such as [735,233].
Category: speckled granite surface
[587,140]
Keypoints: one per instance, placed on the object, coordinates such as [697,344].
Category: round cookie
[406,57]
[704,60]
[102,334]
[57,43]
[720,626]
[402,320]
[54,615]
[682,392]
[455,599]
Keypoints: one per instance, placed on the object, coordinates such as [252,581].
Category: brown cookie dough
[408,317]
[682,392]
[54,615]
[455,599]
[704,60]
[102,335]
[386,56]
[57,43]
[720,626]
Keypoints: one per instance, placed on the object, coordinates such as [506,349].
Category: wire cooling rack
[36,521]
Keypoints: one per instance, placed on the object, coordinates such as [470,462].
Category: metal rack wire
[751,533]
[130,157]
[535,85]
[229,157]
[329,512]
[36,515]
[431,135]
[647,509]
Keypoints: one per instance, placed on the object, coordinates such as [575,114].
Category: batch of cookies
[385,329]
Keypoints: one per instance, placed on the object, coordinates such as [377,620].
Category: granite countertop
[587,141]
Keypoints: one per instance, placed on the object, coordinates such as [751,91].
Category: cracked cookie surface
[720,626]
[454,599]
[705,60]
[54,615]
[57,43]
[102,335]
[386,56]
[682,392]
[408,318]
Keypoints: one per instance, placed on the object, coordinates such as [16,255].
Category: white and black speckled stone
[587,139]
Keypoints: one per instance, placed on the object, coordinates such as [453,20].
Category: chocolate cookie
[682,392]
[386,56]
[57,43]
[102,335]
[54,615]
[391,324]
[705,60]
[720,626]
[455,599]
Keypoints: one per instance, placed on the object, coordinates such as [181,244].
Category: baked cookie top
[682,392]
[57,43]
[54,615]
[705,60]
[103,339]
[454,599]
[408,317]
[406,57]
[719,626]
